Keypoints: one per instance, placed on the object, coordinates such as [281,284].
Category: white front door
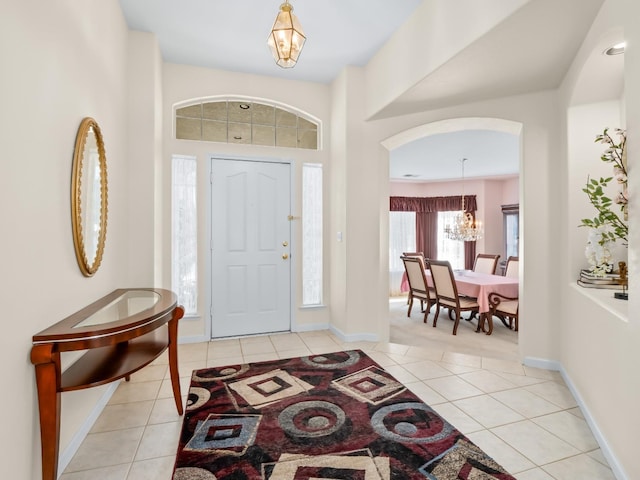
[250,242]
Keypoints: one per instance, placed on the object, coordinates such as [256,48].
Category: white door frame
[295,235]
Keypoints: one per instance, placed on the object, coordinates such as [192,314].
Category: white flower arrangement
[598,253]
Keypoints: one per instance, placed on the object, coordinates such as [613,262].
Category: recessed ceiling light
[410,175]
[237,137]
[617,49]
[244,106]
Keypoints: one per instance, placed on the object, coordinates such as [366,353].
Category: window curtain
[402,238]
[470,250]
[469,255]
[427,209]
[427,234]
[432,204]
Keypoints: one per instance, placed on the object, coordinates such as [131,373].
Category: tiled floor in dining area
[525,418]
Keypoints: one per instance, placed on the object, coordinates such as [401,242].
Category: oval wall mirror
[89,196]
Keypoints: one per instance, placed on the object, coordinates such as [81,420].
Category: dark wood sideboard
[120,333]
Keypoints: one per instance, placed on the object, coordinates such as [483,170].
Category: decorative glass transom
[246,123]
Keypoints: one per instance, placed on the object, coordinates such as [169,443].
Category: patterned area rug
[331,416]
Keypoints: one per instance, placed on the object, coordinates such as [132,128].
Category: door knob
[285,256]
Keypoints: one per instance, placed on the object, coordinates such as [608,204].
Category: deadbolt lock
[285,244]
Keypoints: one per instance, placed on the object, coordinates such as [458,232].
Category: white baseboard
[350,337]
[617,469]
[193,339]
[542,363]
[309,327]
[354,337]
[81,433]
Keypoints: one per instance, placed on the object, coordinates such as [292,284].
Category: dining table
[479,285]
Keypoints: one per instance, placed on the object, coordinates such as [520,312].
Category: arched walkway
[457,125]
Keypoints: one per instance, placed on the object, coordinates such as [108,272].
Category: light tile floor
[523,417]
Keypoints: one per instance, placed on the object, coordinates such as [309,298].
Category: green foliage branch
[612,226]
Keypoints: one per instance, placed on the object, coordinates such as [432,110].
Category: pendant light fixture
[464,227]
[286,38]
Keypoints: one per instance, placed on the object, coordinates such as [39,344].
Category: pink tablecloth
[404,283]
[477,285]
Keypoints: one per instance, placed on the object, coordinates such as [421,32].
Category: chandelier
[286,38]
[464,227]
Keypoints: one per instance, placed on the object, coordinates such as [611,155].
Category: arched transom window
[245,122]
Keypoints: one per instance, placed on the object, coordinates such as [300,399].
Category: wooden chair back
[443,280]
[419,255]
[414,267]
[486,263]
[418,286]
[447,293]
[511,270]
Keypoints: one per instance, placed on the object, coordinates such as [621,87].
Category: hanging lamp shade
[286,38]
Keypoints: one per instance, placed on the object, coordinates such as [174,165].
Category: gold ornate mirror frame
[89,196]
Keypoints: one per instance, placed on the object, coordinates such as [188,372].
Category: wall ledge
[604,298]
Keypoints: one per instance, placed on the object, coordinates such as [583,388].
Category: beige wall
[511,191]
[433,35]
[600,335]
[338,203]
[355,203]
[144,154]
[61,61]
[73,61]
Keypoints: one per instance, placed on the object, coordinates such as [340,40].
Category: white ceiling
[529,51]
[232,34]
[489,154]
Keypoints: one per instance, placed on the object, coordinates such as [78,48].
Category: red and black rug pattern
[336,416]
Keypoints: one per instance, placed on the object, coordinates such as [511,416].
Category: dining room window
[451,250]
[511,217]
[402,238]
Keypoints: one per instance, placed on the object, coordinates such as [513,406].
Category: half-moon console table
[121,334]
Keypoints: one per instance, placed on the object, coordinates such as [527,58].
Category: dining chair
[418,287]
[447,293]
[505,308]
[413,254]
[486,263]
[511,270]
[419,255]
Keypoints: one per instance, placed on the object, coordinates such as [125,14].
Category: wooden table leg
[47,366]
[488,318]
[173,356]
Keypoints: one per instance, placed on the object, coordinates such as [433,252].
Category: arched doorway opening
[496,185]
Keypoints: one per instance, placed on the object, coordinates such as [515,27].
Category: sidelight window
[184,245]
